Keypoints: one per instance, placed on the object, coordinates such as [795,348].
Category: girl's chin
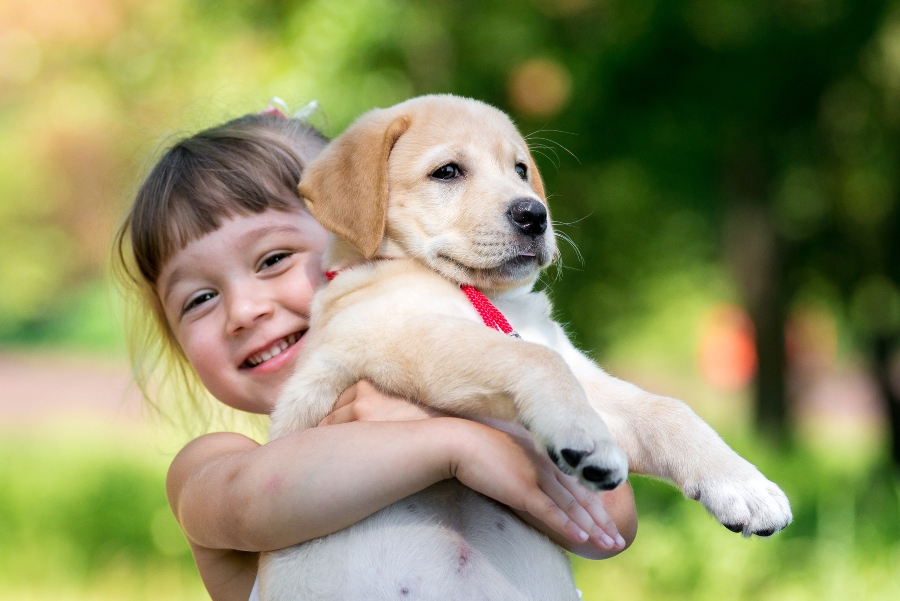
[276,364]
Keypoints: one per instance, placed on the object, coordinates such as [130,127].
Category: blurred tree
[759,132]
[691,118]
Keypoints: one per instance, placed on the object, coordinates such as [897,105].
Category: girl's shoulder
[198,453]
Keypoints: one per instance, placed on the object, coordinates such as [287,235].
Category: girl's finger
[546,510]
[348,396]
[605,531]
[341,415]
[575,509]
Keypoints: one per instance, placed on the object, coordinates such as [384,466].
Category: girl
[225,261]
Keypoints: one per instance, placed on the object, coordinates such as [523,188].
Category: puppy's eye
[522,170]
[447,172]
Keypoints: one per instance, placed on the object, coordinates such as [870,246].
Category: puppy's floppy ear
[346,187]
[536,182]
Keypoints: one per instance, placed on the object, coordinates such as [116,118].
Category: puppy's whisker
[565,237]
[548,157]
[544,129]
[555,131]
[552,141]
[551,149]
[567,223]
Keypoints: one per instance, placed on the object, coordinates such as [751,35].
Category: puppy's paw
[575,437]
[599,465]
[580,444]
[749,505]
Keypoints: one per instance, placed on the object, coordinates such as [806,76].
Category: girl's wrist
[454,437]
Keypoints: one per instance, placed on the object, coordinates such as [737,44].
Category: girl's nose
[247,309]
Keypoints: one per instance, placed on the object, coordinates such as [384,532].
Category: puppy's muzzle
[528,216]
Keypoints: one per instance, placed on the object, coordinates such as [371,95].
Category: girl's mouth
[277,347]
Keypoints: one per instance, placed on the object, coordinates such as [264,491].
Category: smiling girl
[224,260]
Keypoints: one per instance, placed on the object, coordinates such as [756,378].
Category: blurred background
[724,174]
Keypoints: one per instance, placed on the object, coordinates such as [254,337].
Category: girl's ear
[346,187]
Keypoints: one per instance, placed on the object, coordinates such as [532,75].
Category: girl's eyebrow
[246,239]
[261,232]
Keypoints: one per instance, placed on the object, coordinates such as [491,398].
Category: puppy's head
[446,180]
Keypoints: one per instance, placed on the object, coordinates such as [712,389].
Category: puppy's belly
[445,543]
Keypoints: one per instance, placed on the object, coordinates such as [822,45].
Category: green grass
[84,319]
[84,516]
[844,542]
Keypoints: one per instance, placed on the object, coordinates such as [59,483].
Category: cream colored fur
[405,325]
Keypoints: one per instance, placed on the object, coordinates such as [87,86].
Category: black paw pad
[572,456]
[767,532]
[553,456]
[735,527]
[600,477]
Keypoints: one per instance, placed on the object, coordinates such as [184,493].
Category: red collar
[490,315]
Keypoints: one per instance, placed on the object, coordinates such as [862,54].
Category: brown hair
[242,167]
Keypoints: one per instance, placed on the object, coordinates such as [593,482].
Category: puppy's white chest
[444,543]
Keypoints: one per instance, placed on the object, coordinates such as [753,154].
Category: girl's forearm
[308,484]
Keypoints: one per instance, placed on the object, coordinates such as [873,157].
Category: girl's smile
[273,351]
[273,356]
[238,299]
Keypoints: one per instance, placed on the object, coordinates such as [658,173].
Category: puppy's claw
[747,504]
[573,457]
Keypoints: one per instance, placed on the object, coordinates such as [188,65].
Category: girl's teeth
[277,348]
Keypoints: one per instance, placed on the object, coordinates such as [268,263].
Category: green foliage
[79,505]
[843,543]
[666,117]
[674,110]
[85,318]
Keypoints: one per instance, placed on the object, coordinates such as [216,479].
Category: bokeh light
[727,355]
[539,87]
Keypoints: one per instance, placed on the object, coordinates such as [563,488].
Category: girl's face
[238,302]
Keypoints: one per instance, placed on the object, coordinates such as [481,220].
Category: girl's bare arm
[233,497]
[613,510]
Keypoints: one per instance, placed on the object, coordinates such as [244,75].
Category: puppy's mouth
[517,268]
[272,351]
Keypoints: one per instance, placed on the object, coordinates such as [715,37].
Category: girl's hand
[506,466]
[500,461]
[362,402]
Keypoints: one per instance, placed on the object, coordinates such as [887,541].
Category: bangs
[204,181]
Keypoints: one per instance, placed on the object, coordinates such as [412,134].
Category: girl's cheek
[313,278]
[199,348]
[213,371]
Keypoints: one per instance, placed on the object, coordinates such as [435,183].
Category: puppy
[430,195]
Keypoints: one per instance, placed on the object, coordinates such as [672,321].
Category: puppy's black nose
[528,215]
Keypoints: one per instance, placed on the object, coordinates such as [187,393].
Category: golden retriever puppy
[430,195]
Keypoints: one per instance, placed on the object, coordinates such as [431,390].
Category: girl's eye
[198,300]
[522,170]
[273,259]
[447,172]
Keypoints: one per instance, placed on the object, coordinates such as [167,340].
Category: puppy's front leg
[482,372]
[459,366]
[664,438]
